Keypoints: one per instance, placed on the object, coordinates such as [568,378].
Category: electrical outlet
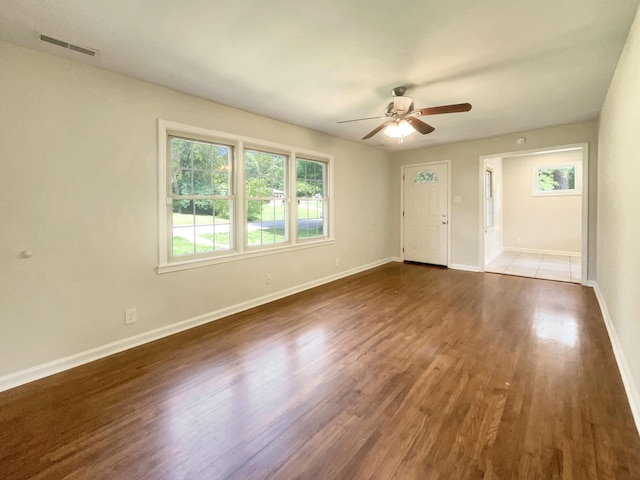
[130,316]
[337,261]
[519,241]
[267,278]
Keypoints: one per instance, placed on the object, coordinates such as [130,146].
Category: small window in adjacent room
[557,179]
[488,201]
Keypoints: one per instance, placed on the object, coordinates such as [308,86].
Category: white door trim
[402,172]
[585,198]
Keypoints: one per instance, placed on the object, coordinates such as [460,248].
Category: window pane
[184,221]
[264,174]
[266,222]
[181,154]
[199,168]
[182,182]
[310,179]
[221,167]
[204,226]
[221,183]
[311,218]
[202,156]
[202,182]
[222,226]
[195,226]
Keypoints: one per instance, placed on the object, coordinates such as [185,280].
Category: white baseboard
[630,387]
[466,268]
[543,252]
[56,366]
[397,259]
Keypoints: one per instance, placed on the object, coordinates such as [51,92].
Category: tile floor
[550,267]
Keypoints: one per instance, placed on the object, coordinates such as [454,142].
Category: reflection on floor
[551,267]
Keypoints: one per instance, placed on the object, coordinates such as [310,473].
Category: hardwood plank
[404,371]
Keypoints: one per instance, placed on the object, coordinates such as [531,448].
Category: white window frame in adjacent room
[488,198]
[239,248]
[577,190]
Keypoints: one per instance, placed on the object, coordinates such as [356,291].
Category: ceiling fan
[403,117]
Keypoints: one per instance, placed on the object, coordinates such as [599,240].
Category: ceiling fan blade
[358,119]
[458,107]
[376,130]
[419,125]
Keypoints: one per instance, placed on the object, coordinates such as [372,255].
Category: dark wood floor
[401,372]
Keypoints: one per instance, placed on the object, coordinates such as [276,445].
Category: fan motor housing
[400,104]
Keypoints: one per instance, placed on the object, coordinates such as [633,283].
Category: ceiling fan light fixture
[399,129]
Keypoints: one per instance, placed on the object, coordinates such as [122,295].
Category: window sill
[234,257]
[556,193]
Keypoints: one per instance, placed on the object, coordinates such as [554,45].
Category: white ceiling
[522,64]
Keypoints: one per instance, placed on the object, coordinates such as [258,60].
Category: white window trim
[489,199]
[553,193]
[241,250]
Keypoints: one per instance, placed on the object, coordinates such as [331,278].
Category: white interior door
[426,214]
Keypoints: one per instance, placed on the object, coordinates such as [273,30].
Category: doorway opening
[534,213]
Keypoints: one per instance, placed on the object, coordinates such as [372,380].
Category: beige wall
[619,209]
[79,170]
[465,171]
[551,223]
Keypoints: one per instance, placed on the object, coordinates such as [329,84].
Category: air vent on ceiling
[70,46]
